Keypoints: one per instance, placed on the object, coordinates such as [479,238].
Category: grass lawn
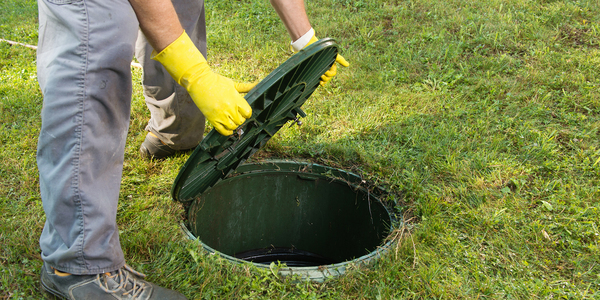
[482,116]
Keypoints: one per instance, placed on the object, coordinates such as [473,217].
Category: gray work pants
[84,53]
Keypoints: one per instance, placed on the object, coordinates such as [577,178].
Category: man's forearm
[158,21]
[293,16]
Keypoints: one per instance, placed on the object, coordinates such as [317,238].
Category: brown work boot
[153,147]
[125,283]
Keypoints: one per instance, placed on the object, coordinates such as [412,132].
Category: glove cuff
[180,57]
[303,41]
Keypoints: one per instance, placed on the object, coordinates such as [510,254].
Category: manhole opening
[273,214]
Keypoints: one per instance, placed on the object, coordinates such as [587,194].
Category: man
[84,51]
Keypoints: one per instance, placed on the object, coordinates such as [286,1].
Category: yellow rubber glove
[216,96]
[333,70]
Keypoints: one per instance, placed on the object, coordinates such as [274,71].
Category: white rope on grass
[20,44]
[133,64]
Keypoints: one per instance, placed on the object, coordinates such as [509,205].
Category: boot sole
[48,292]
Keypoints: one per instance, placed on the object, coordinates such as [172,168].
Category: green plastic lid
[275,101]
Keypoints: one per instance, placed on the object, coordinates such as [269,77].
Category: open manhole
[314,219]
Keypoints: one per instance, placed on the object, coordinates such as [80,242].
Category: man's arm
[216,96]
[293,15]
[158,21]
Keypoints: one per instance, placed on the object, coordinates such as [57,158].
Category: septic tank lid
[275,101]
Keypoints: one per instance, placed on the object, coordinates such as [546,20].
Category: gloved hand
[216,96]
[310,38]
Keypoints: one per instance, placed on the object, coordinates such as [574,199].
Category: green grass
[484,116]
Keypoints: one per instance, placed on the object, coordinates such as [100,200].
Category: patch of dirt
[576,37]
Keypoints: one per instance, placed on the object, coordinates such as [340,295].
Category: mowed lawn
[482,118]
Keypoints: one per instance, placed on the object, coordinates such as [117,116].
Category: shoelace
[123,278]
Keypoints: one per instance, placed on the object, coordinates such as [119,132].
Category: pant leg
[84,55]
[174,117]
